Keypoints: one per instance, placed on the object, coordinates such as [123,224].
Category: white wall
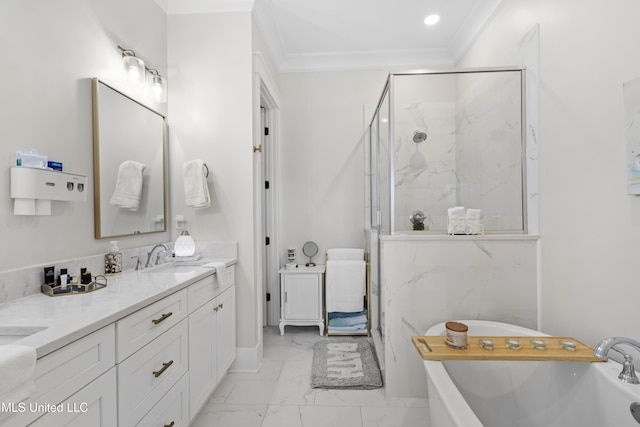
[321,158]
[210,77]
[589,225]
[48,53]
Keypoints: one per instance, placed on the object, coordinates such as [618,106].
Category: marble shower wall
[489,147]
[425,172]
[472,155]
[426,280]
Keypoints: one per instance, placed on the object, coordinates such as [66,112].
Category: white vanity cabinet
[225,331]
[140,328]
[94,405]
[73,375]
[212,337]
[155,366]
[301,297]
[172,410]
[152,355]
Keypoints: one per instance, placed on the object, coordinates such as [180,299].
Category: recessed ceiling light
[431,19]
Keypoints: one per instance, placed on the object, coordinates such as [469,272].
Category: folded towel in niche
[17,367]
[354,328]
[348,321]
[196,189]
[338,314]
[472,221]
[456,220]
[128,189]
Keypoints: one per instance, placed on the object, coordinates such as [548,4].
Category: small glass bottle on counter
[113,259]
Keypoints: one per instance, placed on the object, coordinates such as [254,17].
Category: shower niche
[446,138]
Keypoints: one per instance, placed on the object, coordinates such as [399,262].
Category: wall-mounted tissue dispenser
[33,189]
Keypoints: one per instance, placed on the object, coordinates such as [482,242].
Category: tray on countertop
[435,348]
[97,283]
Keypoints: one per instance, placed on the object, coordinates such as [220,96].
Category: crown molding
[421,58]
[482,13]
[183,7]
[264,17]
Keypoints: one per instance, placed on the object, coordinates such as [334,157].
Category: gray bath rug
[345,364]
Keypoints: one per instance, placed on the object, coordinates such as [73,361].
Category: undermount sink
[175,267]
[11,334]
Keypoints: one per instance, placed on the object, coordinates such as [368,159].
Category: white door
[266,213]
[266,116]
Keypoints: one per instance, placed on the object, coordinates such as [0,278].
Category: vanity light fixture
[431,19]
[137,72]
[158,86]
[133,66]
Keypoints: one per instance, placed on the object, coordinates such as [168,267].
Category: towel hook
[207,168]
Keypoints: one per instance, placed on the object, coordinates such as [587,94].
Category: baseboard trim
[248,359]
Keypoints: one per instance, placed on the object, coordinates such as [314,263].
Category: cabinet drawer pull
[170,425]
[221,306]
[216,308]
[164,368]
[163,317]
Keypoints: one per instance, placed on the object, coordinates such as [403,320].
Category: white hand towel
[345,254]
[345,286]
[128,185]
[196,190]
[17,367]
[456,220]
[221,272]
[473,221]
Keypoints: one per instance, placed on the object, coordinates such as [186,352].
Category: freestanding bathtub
[526,394]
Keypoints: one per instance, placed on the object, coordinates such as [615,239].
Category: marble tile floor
[280,394]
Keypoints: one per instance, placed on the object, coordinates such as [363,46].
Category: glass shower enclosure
[441,139]
[445,138]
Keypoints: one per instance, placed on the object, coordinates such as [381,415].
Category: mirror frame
[96,164]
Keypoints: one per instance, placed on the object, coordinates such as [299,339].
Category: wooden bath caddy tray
[434,348]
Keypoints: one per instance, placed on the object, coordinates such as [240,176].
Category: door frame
[267,260]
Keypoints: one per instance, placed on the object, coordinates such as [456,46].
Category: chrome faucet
[628,374]
[150,254]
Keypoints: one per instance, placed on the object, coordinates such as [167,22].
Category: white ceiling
[304,35]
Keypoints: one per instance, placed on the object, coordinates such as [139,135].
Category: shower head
[419,136]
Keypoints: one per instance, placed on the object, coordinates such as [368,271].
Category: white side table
[301,297]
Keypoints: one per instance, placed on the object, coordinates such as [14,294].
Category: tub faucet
[150,254]
[628,374]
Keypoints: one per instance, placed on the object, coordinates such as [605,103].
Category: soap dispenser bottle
[113,259]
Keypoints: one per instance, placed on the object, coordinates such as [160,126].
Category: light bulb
[135,68]
[158,86]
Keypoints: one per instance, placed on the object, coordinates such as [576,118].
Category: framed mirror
[129,165]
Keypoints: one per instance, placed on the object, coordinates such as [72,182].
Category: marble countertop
[70,317]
